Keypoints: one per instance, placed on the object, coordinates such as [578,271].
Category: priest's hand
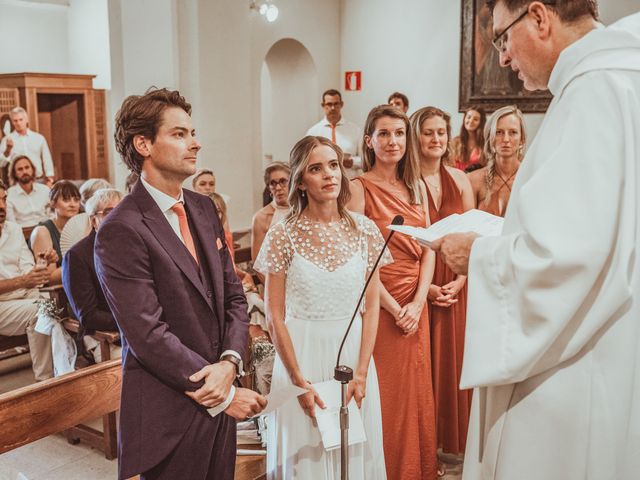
[245,404]
[455,249]
[218,378]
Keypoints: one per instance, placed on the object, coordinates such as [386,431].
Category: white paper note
[476,221]
[328,419]
[277,398]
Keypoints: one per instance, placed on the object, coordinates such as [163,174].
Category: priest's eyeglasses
[500,40]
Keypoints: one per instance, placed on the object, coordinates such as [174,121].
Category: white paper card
[329,419]
[277,398]
[476,221]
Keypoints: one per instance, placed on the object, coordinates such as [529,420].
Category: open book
[477,221]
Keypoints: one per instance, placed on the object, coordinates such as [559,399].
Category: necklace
[436,185]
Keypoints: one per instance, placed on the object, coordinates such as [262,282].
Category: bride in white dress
[315,264]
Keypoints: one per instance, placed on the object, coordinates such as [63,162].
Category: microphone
[343,373]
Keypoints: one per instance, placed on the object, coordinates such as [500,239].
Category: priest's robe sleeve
[542,291]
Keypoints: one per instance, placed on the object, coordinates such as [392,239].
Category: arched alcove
[288,86]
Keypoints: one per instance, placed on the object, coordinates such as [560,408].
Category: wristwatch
[236,361]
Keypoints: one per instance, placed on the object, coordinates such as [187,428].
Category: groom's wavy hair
[142,115]
[567,10]
[298,161]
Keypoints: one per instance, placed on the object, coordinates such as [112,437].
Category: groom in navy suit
[165,269]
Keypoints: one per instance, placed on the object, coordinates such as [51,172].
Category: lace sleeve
[275,253]
[374,243]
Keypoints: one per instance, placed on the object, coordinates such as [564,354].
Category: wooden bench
[42,409]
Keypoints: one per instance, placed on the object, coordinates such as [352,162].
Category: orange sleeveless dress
[403,363]
[447,337]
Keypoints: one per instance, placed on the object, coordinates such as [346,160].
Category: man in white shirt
[553,315]
[24,141]
[27,200]
[18,292]
[345,134]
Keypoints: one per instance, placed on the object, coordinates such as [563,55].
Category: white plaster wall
[88,37]
[34,38]
[416,49]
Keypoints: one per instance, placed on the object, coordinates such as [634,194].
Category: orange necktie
[178,208]
[333,133]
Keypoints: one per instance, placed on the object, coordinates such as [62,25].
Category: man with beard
[18,291]
[24,141]
[26,200]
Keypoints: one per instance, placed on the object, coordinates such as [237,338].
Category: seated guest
[204,182]
[64,200]
[18,291]
[26,200]
[467,147]
[399,100]
[91,186]
[505,140]
[276,178]
[79,276]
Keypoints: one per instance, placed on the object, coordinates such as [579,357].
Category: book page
[476,221]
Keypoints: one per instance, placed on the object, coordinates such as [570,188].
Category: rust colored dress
[447,337]
[403,363]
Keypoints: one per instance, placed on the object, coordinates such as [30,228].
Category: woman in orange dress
[391,186]
[505,142]
[448,191]
[467,147]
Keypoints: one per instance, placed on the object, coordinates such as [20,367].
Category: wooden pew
[42,409]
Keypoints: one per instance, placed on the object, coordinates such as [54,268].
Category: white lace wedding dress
[325,267]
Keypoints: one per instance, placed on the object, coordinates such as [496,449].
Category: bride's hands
[309,400]
[357,389]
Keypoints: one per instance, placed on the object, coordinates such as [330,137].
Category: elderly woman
[79,276]
[276,178]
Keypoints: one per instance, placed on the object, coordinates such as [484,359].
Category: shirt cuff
[237,355]
[218,409]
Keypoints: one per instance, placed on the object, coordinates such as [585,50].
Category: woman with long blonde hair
[391,186]
[315,262]
[505,142]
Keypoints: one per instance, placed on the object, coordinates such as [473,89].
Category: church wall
[416,49]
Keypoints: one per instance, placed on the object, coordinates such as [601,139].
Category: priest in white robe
[553,329]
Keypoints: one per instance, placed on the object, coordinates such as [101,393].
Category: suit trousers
[206,452]
[17,317]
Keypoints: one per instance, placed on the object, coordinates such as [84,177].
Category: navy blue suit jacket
[172,324]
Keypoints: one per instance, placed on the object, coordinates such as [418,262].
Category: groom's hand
[217,382]
[246,403]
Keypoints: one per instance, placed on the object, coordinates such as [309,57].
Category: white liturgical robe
[553,327]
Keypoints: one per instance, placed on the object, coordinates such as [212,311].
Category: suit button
[209,293]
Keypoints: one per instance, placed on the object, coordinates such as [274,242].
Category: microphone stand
[344,374]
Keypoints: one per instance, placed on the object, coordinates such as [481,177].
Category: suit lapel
[157,223]
[207,236]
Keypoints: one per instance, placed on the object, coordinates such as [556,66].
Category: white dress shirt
[348,138]
[165,202]
[34,146]
[27,209]
[15,258]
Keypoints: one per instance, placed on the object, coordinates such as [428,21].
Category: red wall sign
[352,81]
